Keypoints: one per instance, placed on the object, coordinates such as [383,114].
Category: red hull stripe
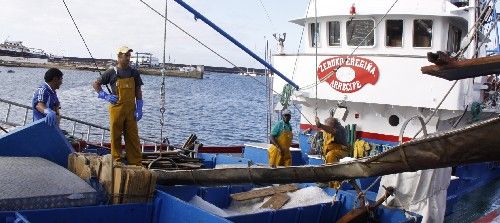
[368,135]
[489,217]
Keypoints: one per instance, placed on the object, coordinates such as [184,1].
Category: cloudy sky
[107,24]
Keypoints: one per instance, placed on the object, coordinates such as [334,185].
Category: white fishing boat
[361,64]
[15,51]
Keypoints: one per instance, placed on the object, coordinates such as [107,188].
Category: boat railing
[89,129]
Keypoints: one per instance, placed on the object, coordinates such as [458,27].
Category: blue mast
[197,15]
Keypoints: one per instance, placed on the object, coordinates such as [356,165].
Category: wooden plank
[276,201]
[144,186]
[152,184]
[71,162]
[128,185]
[118,184]
[105,173]
[468,68]
[264,192]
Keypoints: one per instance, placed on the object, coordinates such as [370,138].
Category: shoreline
[144,71]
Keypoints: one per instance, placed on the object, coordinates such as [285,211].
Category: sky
[108,24]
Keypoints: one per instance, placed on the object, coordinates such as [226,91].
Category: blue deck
[171,204]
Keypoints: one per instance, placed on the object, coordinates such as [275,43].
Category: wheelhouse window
[394,33]
[334,33]
[454,39]
[314,34]
[422,33]
[360,32]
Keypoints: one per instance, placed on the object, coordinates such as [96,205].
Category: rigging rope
[300,42]
[475,28]
[285,95]
[85,43]
[267,14]
[460,53]
[192,37]
[213,51]
[316,34]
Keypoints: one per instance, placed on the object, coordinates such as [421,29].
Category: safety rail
[84,135]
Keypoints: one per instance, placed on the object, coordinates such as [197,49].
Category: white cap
[123,49]
[286,112]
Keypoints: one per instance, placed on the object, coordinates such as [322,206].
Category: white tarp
[422,192]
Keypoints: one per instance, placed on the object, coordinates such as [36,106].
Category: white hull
[23,59]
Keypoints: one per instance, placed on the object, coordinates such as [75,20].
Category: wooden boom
[479,142]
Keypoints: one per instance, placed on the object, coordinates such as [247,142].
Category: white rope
[316,34]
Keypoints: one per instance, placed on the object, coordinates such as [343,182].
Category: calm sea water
[222,109]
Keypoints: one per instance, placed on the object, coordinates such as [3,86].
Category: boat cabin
[410,28]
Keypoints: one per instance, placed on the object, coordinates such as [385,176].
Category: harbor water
[221,109]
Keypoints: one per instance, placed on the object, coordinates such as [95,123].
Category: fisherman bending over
[45,103]
[125,108]
[334,142]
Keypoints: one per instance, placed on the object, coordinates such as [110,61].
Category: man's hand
[138,109]
[50,118]
[111,98]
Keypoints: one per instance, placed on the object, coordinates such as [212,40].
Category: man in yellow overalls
[334,142]
[281,139]
[125,108]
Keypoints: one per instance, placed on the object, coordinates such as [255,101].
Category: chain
[162,88]
[162,99]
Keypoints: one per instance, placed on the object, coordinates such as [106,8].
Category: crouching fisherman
[125,106]
[334,142]
[45,102]
[281,139]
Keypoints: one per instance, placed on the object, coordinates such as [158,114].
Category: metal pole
[8,113]
[25,117]
[235,42]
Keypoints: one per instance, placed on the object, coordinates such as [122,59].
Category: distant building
[144,60]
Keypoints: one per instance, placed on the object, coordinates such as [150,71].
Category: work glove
[138,109]
[111,98]
[50,117]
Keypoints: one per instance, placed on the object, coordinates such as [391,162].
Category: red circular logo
[348,74]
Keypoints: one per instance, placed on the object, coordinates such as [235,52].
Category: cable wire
[267,14]
[316,34]
[85,43]
[300,43]
[213,51]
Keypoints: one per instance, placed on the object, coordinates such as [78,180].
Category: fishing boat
[249,73]
[15,51]
[361,64]
[375,90]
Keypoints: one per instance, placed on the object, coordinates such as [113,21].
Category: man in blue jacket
[45,103]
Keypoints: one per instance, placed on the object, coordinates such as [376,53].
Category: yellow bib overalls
[333,152]
[122,120]
[285,158]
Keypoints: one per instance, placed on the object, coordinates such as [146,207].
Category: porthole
[394,120]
